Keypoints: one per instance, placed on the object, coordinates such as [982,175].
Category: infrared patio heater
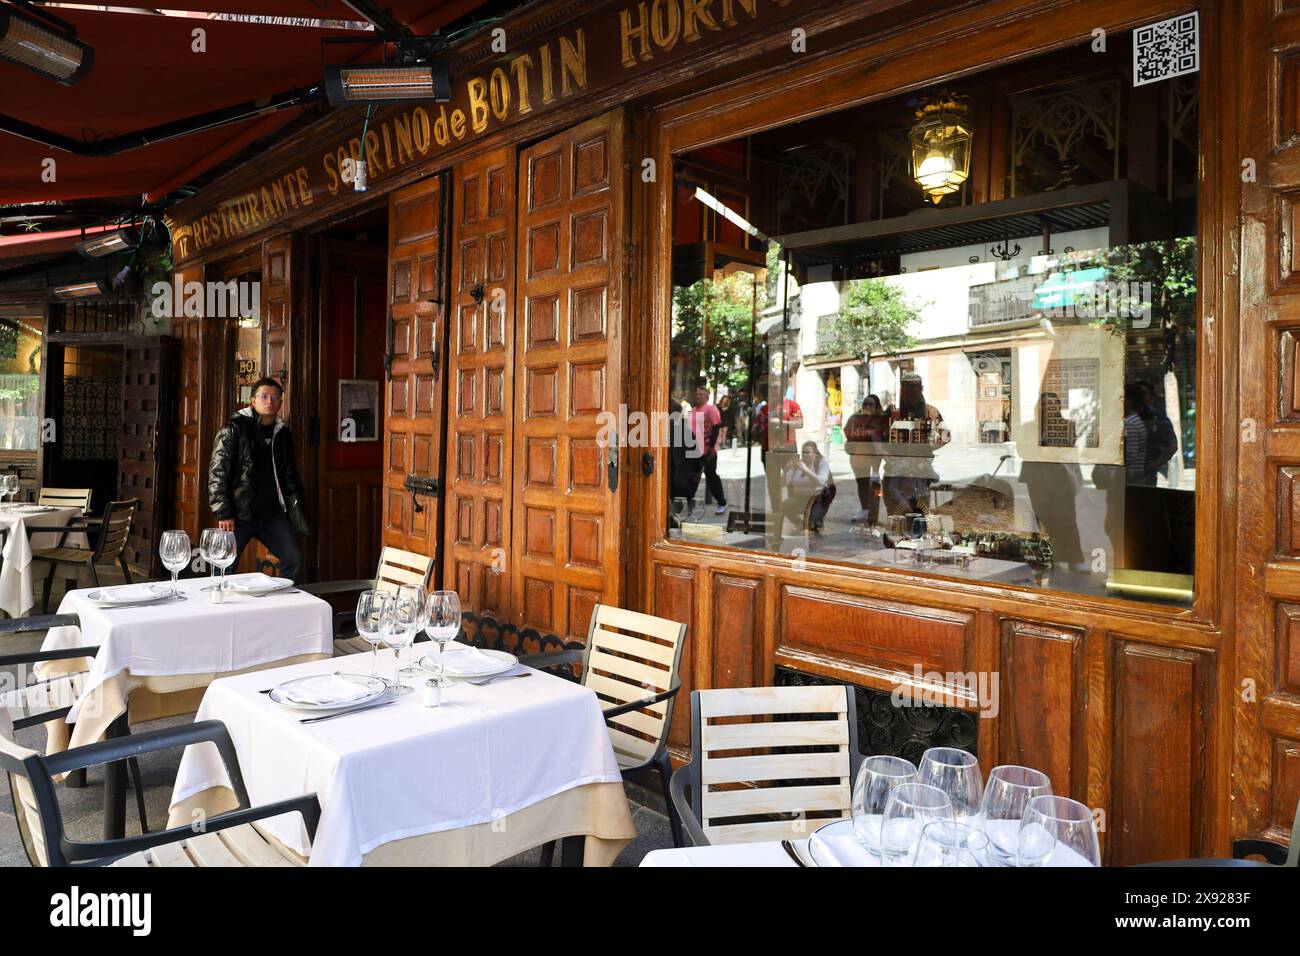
[37,40]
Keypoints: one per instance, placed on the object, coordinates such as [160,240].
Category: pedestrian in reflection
[706,422]
[1137,436]
[809,488]
[870,424]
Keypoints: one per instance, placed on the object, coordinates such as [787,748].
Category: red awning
[146,73]
[26,244]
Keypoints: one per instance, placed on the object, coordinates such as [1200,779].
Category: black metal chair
[396,567]
[1274,854]
[114,530]
[631,660]
[805,766]
[225,839]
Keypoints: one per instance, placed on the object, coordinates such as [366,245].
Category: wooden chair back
[65,498]
[398,567]
[118,517]
[30,791]
[762,778]
[631,656]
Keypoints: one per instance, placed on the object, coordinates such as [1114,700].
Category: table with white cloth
[495,769]
[838,838]
[158,655]
[16,593]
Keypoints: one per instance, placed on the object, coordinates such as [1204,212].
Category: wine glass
[417,594]
[957,773]
[372,614]
[9,485]
[1060,831]
[911,806]
[213,544]
[442,624]
[407,610]
[174,549]
[948,843]
[681,509]
[877,777]
[1009,790]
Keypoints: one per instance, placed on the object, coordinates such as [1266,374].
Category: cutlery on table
[489,680]
[344,713]
[794,854]
[262,594]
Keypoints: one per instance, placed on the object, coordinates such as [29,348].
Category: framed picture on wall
[358,409]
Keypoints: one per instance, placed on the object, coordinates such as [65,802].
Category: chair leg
[94,575]
[49,584]
[664,765]
[126,570]
[548,854]
[137,782]
[76,779]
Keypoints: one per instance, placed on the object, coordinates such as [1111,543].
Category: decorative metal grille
[901,731]
[92,413]
[1054,123]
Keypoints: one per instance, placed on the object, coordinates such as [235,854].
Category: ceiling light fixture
[41,42]
[941,145]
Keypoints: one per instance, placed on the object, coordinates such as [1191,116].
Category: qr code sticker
[1166,49]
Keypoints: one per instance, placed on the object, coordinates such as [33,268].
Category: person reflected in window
[809,489]
[1137,438]
[684,458]
[776,432]
[869,424]
[908,477]
[706,422]
[1162,444]
[728,409]
[1052,486]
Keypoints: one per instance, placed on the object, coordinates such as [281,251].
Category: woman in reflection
[809,488]
[1052,486]
[868,424]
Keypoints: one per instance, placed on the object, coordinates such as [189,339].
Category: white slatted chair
[632,662]
[752,777]
[229,839]
[65,498]
[396,567]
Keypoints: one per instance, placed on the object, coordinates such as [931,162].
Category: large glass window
[22,341]
[952,332]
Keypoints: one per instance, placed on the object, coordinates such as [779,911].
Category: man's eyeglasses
[268,397]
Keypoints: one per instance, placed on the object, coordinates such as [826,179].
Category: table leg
[572,849]
[115,786]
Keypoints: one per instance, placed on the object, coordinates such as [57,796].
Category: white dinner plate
[504,661]
[116,597]
[373,687]
[256,583]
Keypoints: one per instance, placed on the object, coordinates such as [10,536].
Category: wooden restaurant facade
[516,267]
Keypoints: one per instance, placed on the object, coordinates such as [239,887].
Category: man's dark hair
[267,380]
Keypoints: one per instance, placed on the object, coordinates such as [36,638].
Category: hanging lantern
[941,141]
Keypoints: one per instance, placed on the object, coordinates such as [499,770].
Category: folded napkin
[256,581]
[129,592]
[838,845]
[326,689]
[465,661]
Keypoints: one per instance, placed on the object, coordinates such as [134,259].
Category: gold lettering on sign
[548,90]
[520,66]
[665,23]
[573,62]
[629,32]
[499,93]
[478,108]
[697,10]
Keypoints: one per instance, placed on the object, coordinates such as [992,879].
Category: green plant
[874,317]
[713,322]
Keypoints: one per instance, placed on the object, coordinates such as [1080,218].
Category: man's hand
[226,525]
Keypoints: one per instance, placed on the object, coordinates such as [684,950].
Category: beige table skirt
[149,698]
[598,811]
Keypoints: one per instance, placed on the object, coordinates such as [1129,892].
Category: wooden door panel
[143,448]
[568,368]
[481,379]
[413,393]
[189,489]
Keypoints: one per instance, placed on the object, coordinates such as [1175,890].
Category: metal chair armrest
[41,622]
[687,775]
[549,659]
[645,702]
[104,852]
[1275,853]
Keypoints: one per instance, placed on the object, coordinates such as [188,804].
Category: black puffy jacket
[232,484]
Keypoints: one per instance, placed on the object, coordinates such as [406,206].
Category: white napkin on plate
[465,661]
[255,581]
[129,592]
[325,689]
[842,848]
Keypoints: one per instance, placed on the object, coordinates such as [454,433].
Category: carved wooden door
[413,426]
[193,447]
[143,446]
[568,369]
[481,383]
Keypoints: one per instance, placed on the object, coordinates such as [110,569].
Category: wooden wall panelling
[1163,726]
[568,369]
[481,378]
[413,436]
[189,489]
[736,629]
[674,598]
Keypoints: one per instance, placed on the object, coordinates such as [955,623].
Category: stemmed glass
[174,549]
[218,549]
[910,808]
[1050,822]
[948,843]
[407,613]
[1009,790]
[957,773]
[681,509]
[9,486]
[442,624]
[877,777]
[417,594]
[374,615]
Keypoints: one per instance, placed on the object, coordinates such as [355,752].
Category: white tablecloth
[404,769]
[838,838]
[193,636]
[16,596]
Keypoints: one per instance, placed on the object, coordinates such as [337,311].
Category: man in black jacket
[252,477]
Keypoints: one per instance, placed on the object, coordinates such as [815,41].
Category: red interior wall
[339,347]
